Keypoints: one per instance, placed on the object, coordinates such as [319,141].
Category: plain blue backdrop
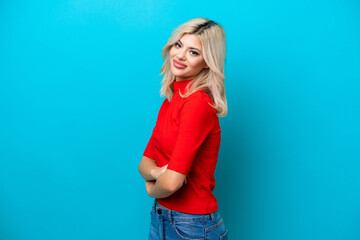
[79,97]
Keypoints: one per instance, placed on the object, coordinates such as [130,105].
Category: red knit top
[187,137]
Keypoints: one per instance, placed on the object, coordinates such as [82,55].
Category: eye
[193,53]
[177,45]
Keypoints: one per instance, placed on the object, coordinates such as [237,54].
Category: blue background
[79,97]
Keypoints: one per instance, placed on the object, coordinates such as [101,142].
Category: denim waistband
[175,215]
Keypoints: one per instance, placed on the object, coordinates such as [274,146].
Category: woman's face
[186,57]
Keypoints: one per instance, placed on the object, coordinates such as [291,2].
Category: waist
[164,212]
[161,206]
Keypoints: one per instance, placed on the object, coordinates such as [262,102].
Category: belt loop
[212,216]
[154,205]
[169,214]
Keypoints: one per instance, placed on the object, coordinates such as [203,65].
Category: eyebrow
[190,47]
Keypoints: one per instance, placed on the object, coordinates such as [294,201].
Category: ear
[206,66]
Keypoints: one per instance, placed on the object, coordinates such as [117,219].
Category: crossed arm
[160,181]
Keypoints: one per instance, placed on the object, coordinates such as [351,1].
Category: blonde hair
[212,79]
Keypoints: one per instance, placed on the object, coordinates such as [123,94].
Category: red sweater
[187,137]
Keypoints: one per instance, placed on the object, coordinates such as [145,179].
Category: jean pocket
[217,231]
[190,230]
[224,236]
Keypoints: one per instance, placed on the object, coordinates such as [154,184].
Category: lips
[178,64]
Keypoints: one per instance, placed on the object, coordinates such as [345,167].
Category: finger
[164,168]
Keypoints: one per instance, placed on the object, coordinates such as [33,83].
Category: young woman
[180,158]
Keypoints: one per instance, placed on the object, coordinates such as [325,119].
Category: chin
[177,73]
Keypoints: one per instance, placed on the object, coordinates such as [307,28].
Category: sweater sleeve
[149,152]
[196,120]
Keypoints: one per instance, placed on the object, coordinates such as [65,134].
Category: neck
[179,79]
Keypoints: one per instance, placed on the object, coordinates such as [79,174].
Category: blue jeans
[168,225]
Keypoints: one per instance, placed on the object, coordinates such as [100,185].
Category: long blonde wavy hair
[212,79]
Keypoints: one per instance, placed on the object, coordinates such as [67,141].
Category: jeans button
[159,211]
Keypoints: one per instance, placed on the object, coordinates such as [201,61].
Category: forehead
[191,40]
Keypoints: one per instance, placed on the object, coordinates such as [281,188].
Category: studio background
[79,97]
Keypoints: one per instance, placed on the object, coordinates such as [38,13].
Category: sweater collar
[181,85]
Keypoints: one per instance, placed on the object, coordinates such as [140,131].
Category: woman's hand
[156,172]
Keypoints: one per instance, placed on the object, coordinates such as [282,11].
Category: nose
[181,55]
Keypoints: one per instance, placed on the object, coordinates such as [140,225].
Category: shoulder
[199,100]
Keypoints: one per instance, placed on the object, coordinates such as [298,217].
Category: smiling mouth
[178,64]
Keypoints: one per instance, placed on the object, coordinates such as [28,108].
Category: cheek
[198,64]
[172,52]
